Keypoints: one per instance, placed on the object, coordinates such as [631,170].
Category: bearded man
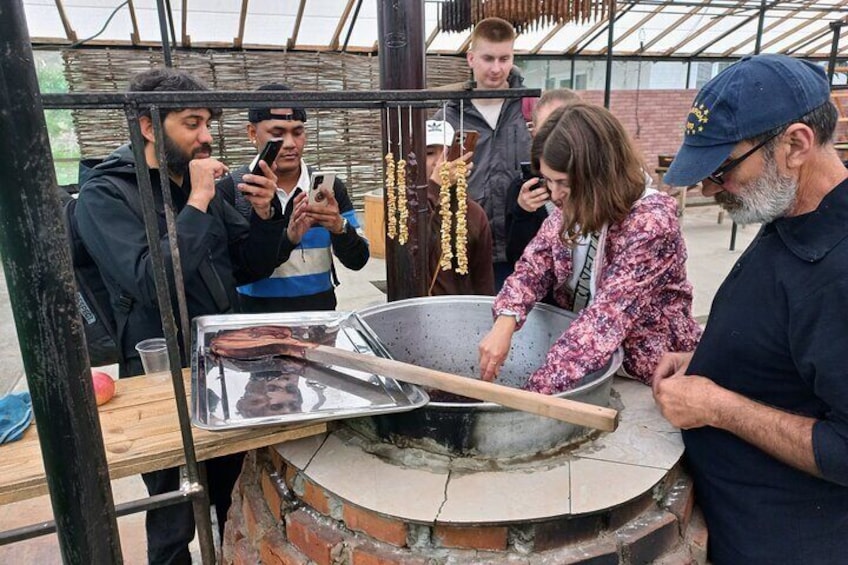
[763,399]
[219,249]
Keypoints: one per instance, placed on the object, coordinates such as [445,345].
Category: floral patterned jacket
[643,300]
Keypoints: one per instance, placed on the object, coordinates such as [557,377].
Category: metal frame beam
[828,41]
[334,42]
[353,23]
[807,39]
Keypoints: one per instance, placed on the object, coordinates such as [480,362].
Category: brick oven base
[621,499]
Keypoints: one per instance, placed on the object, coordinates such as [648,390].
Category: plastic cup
[154,355]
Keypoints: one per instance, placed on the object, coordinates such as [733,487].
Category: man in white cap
[480,277]
[763,399]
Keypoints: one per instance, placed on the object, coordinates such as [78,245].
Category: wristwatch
[345,224]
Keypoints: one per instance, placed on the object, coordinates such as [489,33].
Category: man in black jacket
[219,249]
[306,281]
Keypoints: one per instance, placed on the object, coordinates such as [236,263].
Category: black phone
[526,171]
[268,154]
[527,174]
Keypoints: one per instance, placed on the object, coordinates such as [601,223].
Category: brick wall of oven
[279,516]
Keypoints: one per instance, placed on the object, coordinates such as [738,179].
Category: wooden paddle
[571,411]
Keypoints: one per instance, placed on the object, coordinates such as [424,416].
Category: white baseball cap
[439,133]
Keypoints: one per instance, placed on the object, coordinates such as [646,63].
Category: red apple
[104,387]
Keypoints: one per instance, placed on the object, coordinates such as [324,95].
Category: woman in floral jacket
[614,253]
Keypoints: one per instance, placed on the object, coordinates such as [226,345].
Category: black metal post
[760,22]
[688,74]
[163,31]
[610,38]
[834,49]
[169,327]
[573,87]
[37,265]
[352,23]
[401,31]
[171,23]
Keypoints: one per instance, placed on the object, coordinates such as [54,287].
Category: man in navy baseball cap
[763,400]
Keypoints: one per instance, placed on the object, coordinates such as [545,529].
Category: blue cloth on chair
[15,416]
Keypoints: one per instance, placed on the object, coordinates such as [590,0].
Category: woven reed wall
[345,141]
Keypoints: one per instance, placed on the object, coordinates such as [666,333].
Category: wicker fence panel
[344,141]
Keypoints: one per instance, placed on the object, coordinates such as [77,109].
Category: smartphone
[320,185]
[526,171]
[527,174]
[463,142]
[268,154]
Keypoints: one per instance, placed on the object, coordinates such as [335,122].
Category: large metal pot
[443,333]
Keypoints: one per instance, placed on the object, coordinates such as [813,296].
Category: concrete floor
[709,262]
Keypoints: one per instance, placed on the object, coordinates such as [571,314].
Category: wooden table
[141,433]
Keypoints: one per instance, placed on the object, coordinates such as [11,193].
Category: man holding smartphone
[327,220]
[219,249]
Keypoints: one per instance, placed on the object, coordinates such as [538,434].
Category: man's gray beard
[762,200]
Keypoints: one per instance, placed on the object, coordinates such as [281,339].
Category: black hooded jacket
[219,248]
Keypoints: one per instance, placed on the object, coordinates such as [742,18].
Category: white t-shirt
[302,184]
[490,109]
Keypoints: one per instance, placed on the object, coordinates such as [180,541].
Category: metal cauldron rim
[611,367]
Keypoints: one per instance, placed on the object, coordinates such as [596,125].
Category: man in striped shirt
[307,279]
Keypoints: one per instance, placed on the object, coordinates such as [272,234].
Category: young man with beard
[763,399]
[504,140]
[219,249]
[306,281]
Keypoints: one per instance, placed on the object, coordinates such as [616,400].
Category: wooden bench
[141,433]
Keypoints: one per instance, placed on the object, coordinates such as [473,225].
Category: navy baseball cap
[751,97]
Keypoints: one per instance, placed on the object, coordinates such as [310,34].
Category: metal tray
[231,393]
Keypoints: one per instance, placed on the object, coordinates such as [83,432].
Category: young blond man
[504,140]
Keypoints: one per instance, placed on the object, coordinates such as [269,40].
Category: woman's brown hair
[604,170]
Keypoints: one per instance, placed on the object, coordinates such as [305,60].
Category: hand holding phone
[534,192]
[268,154]
[463,142]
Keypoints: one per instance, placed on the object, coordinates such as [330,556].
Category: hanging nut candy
[391,196]
[403,208]
[446,259]
[461,218]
